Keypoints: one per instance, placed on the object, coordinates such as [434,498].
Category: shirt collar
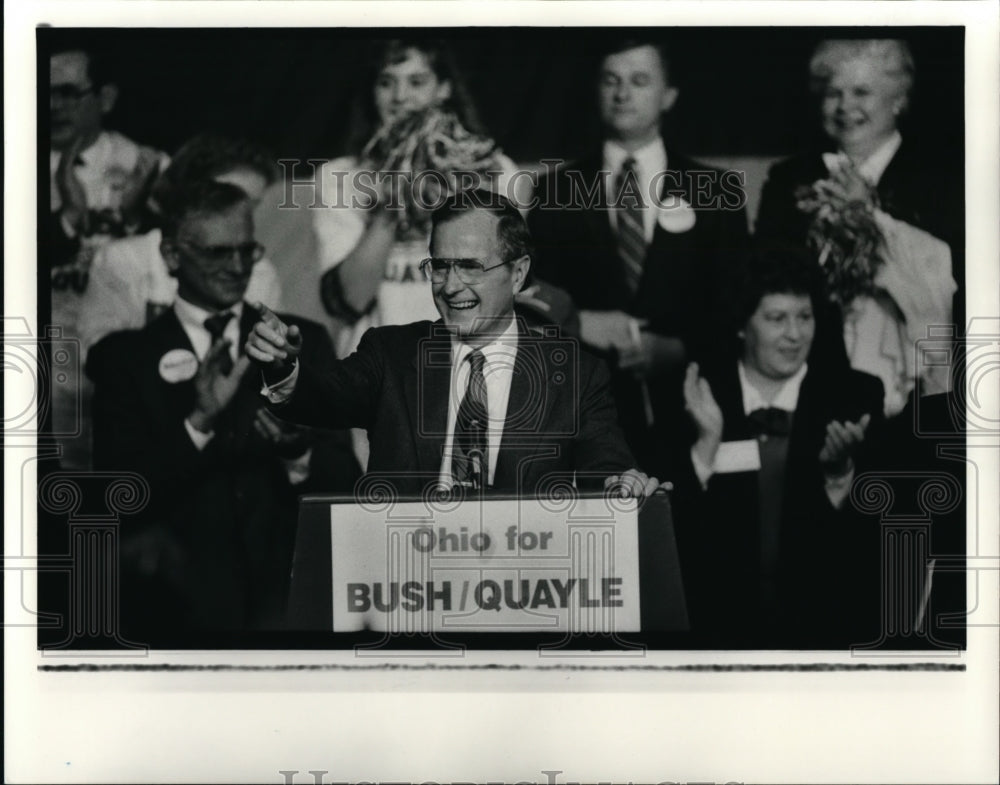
[98,151]
[787,398]
[90,157]
[874,166]
[191,315]
[650,158]
[499,348]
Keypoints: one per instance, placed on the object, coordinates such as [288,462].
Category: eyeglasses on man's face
[69,93]
[469,271]
[247,253]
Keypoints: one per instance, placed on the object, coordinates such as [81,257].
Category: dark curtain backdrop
[743,90]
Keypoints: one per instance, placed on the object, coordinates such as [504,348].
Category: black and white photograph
[625,382]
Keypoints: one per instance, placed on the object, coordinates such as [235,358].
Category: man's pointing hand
[273,345]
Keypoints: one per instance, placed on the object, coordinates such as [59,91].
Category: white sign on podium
[510,565]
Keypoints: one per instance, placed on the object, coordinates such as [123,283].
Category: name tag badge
[741,456]
[178,365]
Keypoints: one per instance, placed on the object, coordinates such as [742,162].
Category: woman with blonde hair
[883,218]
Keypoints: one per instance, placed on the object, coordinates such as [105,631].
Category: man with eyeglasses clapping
[173,403]
[474,400]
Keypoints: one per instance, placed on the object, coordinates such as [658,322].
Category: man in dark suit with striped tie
[474,399]
[641,238]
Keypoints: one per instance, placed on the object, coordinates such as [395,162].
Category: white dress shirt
[649,161]
[786,399]
[874,166]
[192,319]
[498,372]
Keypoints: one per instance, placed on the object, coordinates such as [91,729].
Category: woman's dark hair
[364,118]
[774,269]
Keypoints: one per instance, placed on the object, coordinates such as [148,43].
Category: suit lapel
[166,335]
[729,395]
[426,384]
[524,420]
[802,440]
[598,220]
[247,400]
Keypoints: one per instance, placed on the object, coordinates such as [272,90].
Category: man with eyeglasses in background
[99,185]
[474,400]
[173,402]
[100,179]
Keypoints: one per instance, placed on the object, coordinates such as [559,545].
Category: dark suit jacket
[560,417]
[214,545]
[576,249]
[923,189]
[719,528]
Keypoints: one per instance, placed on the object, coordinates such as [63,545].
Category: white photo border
[677,717]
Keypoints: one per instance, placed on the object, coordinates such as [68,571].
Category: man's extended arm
[341,394]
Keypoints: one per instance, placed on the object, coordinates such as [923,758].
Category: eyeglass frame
[213,253]
[428,272]
[61,93]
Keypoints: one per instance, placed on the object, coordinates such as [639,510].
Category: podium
[581,564]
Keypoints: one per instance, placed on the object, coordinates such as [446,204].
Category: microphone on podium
[477,473]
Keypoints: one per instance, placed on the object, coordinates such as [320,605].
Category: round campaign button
[675,215]
[178,365]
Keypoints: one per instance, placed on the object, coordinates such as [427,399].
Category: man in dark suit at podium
[474,399]
[173,402]
[642,238]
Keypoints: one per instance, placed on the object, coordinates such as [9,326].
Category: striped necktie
[216,326]
[631,234]
[469,463]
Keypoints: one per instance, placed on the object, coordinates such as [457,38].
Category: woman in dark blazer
[768,545]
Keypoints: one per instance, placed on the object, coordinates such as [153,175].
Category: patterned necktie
[216,326]
[631,234]
[469,464]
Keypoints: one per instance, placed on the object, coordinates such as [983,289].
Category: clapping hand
[845,184]
[842,440]
[273,345]
[214,388]
[701,406]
